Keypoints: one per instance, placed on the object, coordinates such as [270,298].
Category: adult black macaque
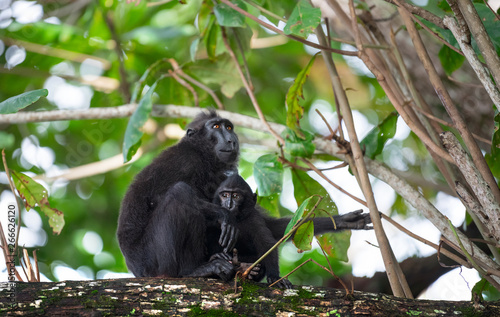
[259,232]
[166,210]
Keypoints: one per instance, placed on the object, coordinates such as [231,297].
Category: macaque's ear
[190,132]
[255,197]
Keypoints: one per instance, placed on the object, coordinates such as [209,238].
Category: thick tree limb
[476,182]
[483,41]
[473,60]
[189,296]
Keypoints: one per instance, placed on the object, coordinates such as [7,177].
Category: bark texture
[193,297]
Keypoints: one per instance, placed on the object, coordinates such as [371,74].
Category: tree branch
[447,102]
[474,61]
[483,41]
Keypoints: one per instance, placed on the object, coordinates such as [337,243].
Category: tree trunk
[188,297]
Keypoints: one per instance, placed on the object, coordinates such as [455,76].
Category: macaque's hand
[354,220]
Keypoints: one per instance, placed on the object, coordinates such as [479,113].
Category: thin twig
[446,123]
[245,64]
[436,36]
[420,12]
[188,87]
[291,272]
[124,84]
[326,122]
[179,70]
[264,10]
[426,242]
[469,257]
[491,9]
[332,273]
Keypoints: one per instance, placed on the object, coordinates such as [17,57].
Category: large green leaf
[268,173]
[35,195]
[490,22]
[303,20]
[303,237]
[336,244]
[16,103]
[297,146]
[227,16]
[133,134]
[211,38]
[375,140]
[294,110]
[450,59]
[299,213]
[270,203]
[485,291]
[305,186]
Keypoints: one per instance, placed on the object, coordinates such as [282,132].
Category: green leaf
[193,48]
[486,291]
[220,71]
[16,103]
[374,142]
[227,16]
[298,215]
[133,134]
[303,20]
[336,244]
[450,59]
[211,38]
[128,16]
[491,24]
[139,86]
[294,110]
[303,237]
[270,204]
[6,140]
[268,173]
[493,158]
[33,194]
[305,186]
[296,146]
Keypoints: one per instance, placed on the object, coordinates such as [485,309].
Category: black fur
[259,232]
[166,210]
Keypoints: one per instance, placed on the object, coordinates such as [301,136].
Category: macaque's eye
[225,195]
[229,127]
[236,196]
[216,126]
